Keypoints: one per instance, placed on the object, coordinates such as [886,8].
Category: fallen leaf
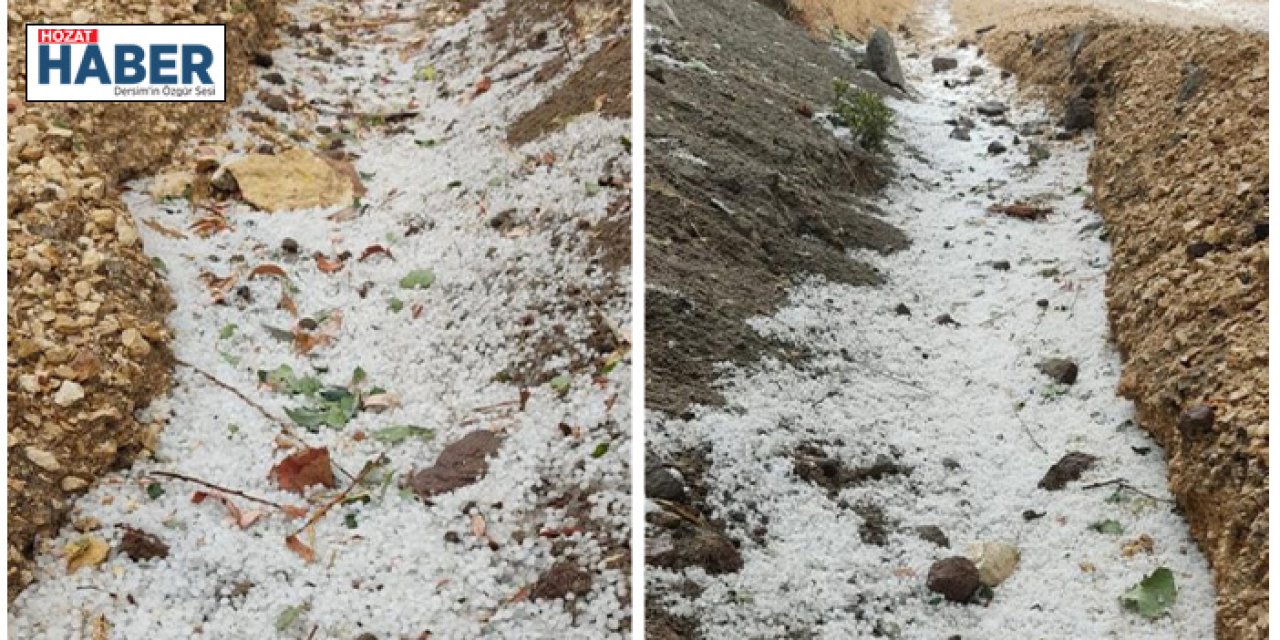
[482,85]
[243,519]
[286,303]
[373,250]
[209,225]
[1153,595]
[86,551]
[165,231]
[459,464]
[268,270]
[303,469]
[326,265]
[287,617]
[101,628]
[1140,544]
[1021,210]
[398,434]
[299,547]
[140,545]
[380,401]
[418,279]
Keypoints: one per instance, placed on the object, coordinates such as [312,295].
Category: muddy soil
[744,192]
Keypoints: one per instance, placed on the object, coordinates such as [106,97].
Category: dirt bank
[858,18]
[1180,177]
[87,341]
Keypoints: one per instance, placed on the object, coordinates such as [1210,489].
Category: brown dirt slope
[87,342]
[745,192]
[1180,176]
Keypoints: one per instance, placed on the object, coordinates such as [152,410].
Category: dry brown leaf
[380,401]
[287,304]
[299,547]
[482,85]
[1021,210]
[167,232]
[101,628]
[86,551]
[305,341]
[303,469]
[243,519]
[209,225]
[268,270]
[373,250]
[218,286]
[326,265]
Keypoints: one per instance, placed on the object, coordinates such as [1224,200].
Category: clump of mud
[87,341]
[1180,176]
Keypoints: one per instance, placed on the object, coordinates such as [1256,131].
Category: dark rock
[1068,469]
[1032,514]
[931,533]
[941,63]
[289,245]
[704,548]
[1193,78]
[976,71]
[950,464]
[1043,303]
[274,101]
[459,464]
[366,636]
[882,59]
[1261,230]
[1198,249]
[1078,115]
[1196,419]
[1001,265]
[991,108]
[563,578]
[273,77]
[1037,45]
[996,148]
[875,526]
[960,133]
[663,483]
[1060,369]
[946,320]
[956,578]
[965,121]
[262,59]
[140,545]
[902,309]
[1037,152]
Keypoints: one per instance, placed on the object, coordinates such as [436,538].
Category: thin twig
[210,485]
[1027,428]
[1124,484]
[284,426]
[320,513]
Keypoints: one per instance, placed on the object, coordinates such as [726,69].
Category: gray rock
[942,63]
[1060,369]
[1078,115]
[960,133]
[1193,78]
[1038,152]
[976,71]
[931,533]
[991,108]
[882,59]
[1001,265]
[996,148]
[663,483]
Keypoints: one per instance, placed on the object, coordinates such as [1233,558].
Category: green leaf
[428,143]
[418,279]
[400,433]
[365,175]
[227,331]
[1111,527]
[358,376]
[288,617]
[154,490]
[427,73]
[309,418]
[591,188]
[350,521]
[1154,595]
[600,450]
[159,266]
[232,360]
[560,384]
[396,304]
[454,184]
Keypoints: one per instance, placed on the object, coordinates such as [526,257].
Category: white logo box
[126,62]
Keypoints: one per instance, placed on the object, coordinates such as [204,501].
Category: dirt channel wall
[1179,174]
[87,341]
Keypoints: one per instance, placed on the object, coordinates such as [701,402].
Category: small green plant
[865,113]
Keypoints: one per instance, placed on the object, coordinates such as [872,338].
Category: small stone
[1197,419]
[1001,265]
[1078,115]
[71,484]
[991,109]
[134,343]
[263,59]
[960,133]
[274,102]
[956,578]
[68,394]
[664,484]
[946,320]
[996,148]
[223,180]
[902,309]
[42,458]
[995,561]
[942,63]
[1067,469]
[1061,370]
[289,245]
[976,71]
[274,78]
[564,578]
[1043,303]
[931,533]
[1198,249]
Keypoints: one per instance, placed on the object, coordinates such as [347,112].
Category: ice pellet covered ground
[387,564]
[962,423]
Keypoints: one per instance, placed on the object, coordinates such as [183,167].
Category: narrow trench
[935,406]
[411,301]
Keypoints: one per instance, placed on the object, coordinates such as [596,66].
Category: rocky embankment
[1180,177]
[87,340]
